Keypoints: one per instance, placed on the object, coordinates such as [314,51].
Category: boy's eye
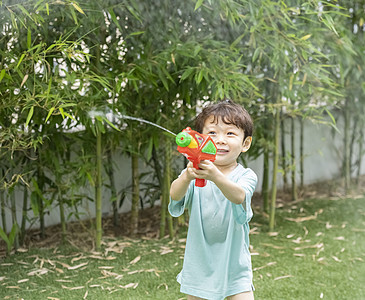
[231,133]
[211,133]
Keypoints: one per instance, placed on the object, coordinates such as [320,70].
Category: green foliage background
[161,61]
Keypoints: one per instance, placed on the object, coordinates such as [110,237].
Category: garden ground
[316,252]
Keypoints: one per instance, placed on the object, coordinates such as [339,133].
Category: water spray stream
[94,113]
[147,122]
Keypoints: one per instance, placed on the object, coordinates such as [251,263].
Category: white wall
[323,152]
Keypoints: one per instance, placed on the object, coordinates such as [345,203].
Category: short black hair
[230,113]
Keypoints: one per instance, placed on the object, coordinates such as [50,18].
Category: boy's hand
[180,185]
[190,171]
[230,189]
[207,171]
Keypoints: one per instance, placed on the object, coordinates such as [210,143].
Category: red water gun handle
[199,182]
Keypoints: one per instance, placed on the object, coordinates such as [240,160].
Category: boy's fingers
[205,164]
[192,171]
[189,166]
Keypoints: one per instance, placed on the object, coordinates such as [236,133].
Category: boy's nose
[220,139]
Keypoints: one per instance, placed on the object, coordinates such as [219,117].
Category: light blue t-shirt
[217,260]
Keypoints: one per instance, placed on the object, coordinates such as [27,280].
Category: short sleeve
[177,208]
[243,212]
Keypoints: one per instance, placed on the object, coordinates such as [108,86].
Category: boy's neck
[226,169]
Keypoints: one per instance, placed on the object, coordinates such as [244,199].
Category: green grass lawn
[317,252]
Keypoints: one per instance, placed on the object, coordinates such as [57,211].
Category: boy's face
[229,140]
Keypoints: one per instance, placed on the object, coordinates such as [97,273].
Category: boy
[217,262]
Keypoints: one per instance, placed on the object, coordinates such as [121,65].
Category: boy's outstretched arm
[180,185]
[231,190]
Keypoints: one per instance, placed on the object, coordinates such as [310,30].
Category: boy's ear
[247,143]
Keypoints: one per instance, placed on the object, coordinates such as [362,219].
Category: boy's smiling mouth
[222,151]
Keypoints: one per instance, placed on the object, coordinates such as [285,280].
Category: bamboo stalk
[266,169]
[265,181]
[166,193]
[2,205]
[113,189]
[24,216]
[62,218]
[14,218]
[301,153]
[40,182]
[98,198]
[135,195]
[293,162]
[346,154]
[359,161]
[283,154]
[275,170]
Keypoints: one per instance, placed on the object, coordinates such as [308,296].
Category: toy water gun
[196,147]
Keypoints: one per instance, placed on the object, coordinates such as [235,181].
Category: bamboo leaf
[74,16]
[256,54]
[34,203]
[304,79]
[12,235]
[199,76]
[20,60]
[114,18]
[29,38]
[186,74]
[62,112]
[49,114]
[163,79]
[13,19]
[69,115]
[21,7]
[329,23]
[29,117]
[136,33]
[68,105]
[4,236]
[78,8]
[198,4]
[37,191]
[306,37]
[196,50]
[331,116]
[305,54]
[91,180]
[132,11]
[236,41]
[47,8]
[111,124]
[135,85]
[2,74]
[99,125]
[24,80]
[49,86]
[38,46]
[38,3]
[167,74]
[291,82]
